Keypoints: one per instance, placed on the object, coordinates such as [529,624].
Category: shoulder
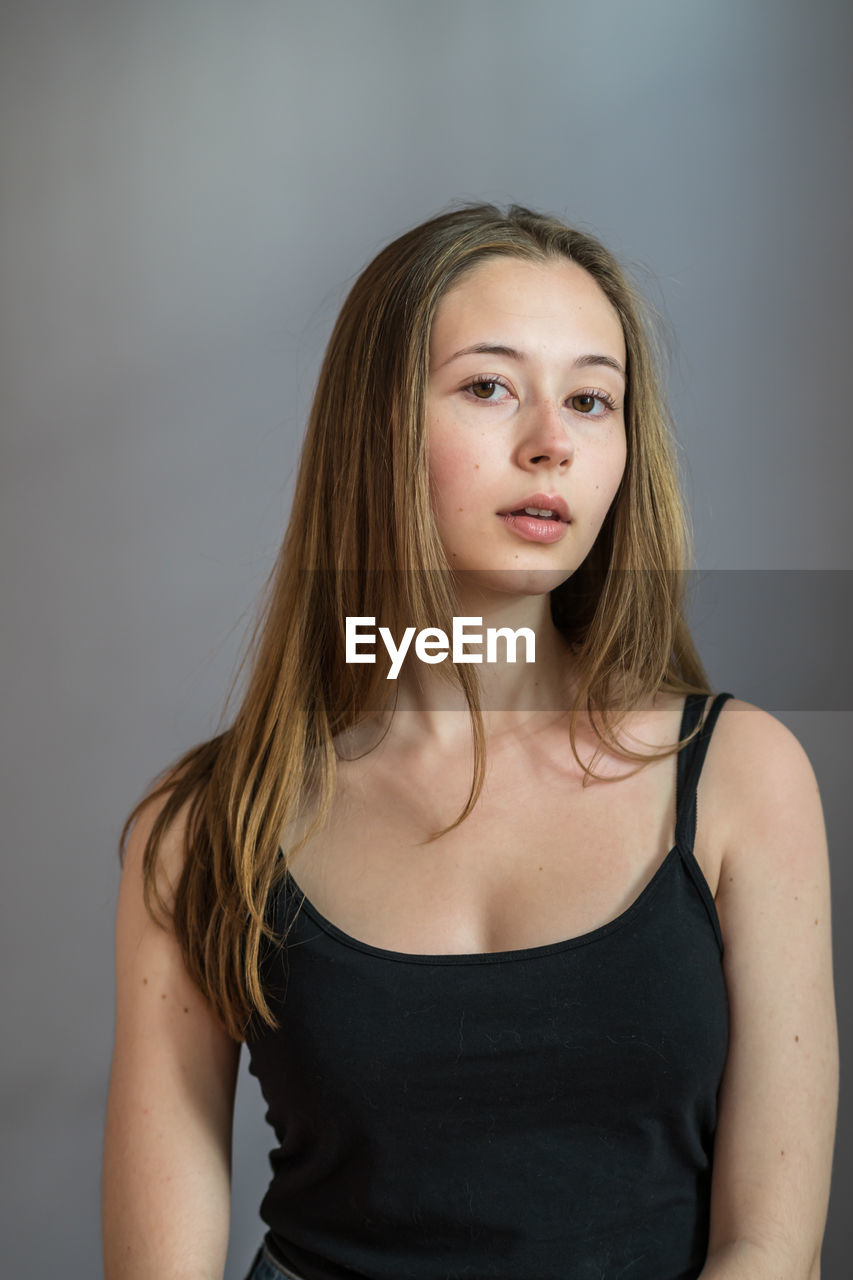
[765,784]
[752,731]
[774,860]
[159,1006]
[149,881]
[166,870]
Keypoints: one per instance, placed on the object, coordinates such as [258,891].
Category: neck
[512,694]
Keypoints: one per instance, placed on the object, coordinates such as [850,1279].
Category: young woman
[531,958]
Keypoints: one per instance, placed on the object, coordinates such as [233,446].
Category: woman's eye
[585,401]
[484,388]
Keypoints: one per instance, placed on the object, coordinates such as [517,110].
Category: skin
[501,427]
[531,423]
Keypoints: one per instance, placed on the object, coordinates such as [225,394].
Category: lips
[543,502]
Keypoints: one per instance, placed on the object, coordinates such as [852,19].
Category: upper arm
[779,1093]
[167,1153]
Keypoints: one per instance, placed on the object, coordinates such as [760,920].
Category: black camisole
[538,1114]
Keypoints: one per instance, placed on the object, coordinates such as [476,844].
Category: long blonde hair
[361,541]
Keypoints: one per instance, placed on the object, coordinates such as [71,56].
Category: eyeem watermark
[433,645]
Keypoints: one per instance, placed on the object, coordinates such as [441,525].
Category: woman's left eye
[585,401]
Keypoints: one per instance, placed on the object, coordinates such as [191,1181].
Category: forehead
[555,306]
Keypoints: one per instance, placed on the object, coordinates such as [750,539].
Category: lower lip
[533,529]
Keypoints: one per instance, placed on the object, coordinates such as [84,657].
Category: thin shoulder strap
[690,761]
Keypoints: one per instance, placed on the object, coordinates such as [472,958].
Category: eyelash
[594,393]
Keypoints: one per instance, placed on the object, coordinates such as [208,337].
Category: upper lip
[545,502]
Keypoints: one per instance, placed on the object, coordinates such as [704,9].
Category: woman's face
[524,410]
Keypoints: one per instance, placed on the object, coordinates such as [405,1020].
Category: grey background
[188,189]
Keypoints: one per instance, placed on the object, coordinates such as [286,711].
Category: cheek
[602,479]
[620,461]
[452,469]
[613,468]
[445,468]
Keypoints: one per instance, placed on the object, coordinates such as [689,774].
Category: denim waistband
[266,1267]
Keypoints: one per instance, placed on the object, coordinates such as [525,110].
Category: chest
[540,859]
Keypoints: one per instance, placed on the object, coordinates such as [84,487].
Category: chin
[520,581]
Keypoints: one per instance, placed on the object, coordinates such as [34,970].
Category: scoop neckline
[486,957]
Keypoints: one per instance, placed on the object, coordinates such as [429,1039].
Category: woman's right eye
[484,388]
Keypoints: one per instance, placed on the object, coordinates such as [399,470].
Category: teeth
[538,511]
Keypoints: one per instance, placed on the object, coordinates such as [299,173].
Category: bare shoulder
[773,895]
[170,854]
[135,925]
[147,952]
[160,1011]
[766,787]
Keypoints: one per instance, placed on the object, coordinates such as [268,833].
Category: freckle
[476,466]
[731,878]
[163,996]
[145,981]
[460,508]
[797,1038]
[781,1153]
[540,868]
[815,921]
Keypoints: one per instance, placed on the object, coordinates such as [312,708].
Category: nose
[547,440]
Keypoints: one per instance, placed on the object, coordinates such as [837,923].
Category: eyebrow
[497,349]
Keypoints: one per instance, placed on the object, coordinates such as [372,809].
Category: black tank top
[538,1114]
